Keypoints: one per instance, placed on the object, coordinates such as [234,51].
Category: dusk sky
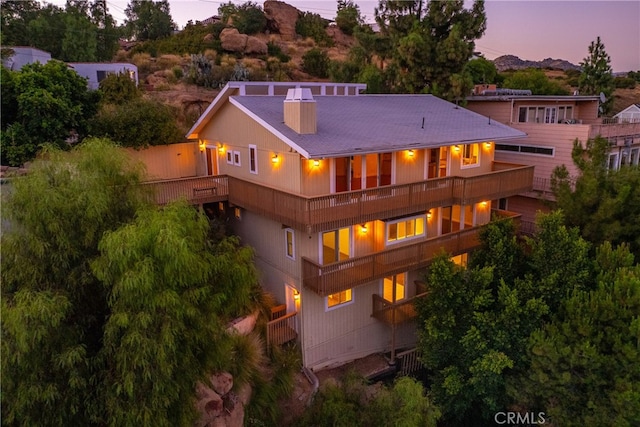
[533,30]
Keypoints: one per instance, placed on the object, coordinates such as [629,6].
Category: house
[23,55]
[552,123]
[346,198]
[631,114]
[95,72]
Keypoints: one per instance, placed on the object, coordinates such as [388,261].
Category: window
[634,156]
[229,157]
[502,204]
[550,115]
[531,114]
[339,298]
[565,114]
[393,287]
[253,159]
[613,161]
[236,158]
[471,155]
[405,229]
[460,259]
[289,240]
[102,74]
[336,245]
[525,149]
[560,114]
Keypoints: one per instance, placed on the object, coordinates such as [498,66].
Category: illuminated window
[253,159]
[339,298]
[289,239]
[393,287]
[405,229]
[471,155]
[336,245]
[460,260]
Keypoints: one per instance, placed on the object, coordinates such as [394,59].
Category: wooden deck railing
[196,190]
[395,313]
[282,330]
[409,361]
[340,276]
[321,213]
[614,130]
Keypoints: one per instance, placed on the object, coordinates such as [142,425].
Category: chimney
[300,111]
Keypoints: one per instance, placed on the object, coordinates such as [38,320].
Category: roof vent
[300,111]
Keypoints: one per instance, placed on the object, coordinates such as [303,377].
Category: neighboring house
[631,114]
[346,198]
[552,124]
[23,55]
[95,72]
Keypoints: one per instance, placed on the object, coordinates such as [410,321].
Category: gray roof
[348,125]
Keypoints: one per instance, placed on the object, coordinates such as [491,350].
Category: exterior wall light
[221,149]
[316,163]
[410,153]
[484,203]
[296,295]
[429,214]
[487,145]
[202,145]
[275,159]
[456,148]
[363,228]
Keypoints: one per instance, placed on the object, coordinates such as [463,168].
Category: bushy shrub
[624,83]
[316,63]
[248,18]
[274,50]
[313,25]
[118,89]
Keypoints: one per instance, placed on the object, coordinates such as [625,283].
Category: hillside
[512,62]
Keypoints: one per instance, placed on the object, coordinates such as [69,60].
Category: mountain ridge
[512,62]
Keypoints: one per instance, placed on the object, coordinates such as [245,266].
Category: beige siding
[169,161]
[235,131]
[499,111]
[316,180]
[409,168]
[485,164]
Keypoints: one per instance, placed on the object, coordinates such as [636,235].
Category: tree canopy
[112,308]
[52,105]
[597,76]
[149,20]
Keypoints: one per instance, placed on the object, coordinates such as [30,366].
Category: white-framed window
[526,149]
[470,155]
[405,229]
[539,114]
[339,299]
[230,157]
[613,164]
[290,243]
[394,287]
[635,156]
[236,158]
[253,159]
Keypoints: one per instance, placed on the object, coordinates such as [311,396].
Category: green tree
[313,25]
[53,306]
[53,104]
[137,124]
[481,71]
[248,18]
[534,80]
[107,33]
[432,43]
[348,16]
[603,203]
[79,42]
[149,20]
[316,62]
[597,76]
[118,88]
[585,364]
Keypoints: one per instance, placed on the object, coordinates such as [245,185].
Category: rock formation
[281,18]
[233,41]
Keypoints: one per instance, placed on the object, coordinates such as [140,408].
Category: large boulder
[255,46]
[281,18]
[209,405]
[221,383]
[232,40]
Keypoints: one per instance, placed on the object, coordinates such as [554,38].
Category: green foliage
[80,39]
[316,62]
[349,403]
[313,25]
[604,204]
[624,83]
[597,76]
[248,18]
[118,88]
[534,80]
[191,40]
[52,105]
[634,75]
[481,71]
[274,50]
[138,123]
[149,20]
[585,365]
[432,42]
[163,332]
[53,307]
[348,16]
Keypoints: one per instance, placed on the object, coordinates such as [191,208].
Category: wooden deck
[328,212]
[282,328]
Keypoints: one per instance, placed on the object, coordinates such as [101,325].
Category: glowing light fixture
[484,203]
[487,145]
[316,163]
[202,145]
[410,153]
[428,214]
[296,295]
[456,148]
[221,149]
[364,228]
[275,159]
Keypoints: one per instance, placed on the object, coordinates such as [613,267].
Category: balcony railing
[395,313]
[321,213]
[282,330]
[340,276]
[615,130]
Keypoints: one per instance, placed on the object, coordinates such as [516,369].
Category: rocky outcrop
[281,18]
[512,62]
[233,41]
[218,405]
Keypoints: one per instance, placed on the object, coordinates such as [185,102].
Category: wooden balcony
[321,213]
[336,277]
[314,214]
[282,329]
[615,130]
[395,313]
